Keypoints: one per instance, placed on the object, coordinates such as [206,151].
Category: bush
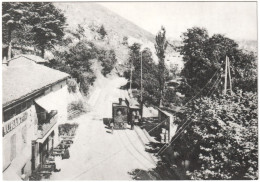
[72,85]
[77,106]
[68,129]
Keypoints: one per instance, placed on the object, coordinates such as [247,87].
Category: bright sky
[237,20]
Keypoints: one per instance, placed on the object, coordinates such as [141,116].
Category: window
[23,106]
[29,104]
[13,147]
[18,109]
[24,134]
[9,114]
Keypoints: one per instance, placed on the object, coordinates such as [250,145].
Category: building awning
[42,140]
[47,102]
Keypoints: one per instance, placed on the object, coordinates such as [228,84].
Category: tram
[124,113]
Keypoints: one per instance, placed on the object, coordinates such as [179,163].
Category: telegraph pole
[227,77]
[141,76]
[229,74]
[131,76]
[141,83]
[225,83]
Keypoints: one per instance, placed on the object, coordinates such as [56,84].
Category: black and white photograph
[129,90]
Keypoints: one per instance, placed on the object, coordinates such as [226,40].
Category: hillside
[97,14]
[92,15]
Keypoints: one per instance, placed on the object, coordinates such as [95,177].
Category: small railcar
[124,113]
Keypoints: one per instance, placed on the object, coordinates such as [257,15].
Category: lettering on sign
[14,123]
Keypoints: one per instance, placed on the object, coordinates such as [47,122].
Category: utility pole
[225,83]
[141,76]
[227,75]
[141,83]
[131,75]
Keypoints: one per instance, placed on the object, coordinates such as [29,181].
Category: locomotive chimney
[120,101]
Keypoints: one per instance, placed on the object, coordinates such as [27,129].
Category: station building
[34,103]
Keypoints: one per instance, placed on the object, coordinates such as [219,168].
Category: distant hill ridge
[79,12]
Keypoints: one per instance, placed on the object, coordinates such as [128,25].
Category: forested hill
[97,14]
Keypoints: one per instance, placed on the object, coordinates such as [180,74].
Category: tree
[125,40]
[77,61]
[160,47]
[108,60]
[14,17]
[151,93]
[221,138]
[204,56]
[47,23]
[79,33]
[102,31]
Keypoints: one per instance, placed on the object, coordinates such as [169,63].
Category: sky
[236,20]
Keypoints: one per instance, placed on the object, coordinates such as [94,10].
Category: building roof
[34,58]
[20,81]
[173,110]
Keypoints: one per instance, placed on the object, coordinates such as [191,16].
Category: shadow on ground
[107,121]
[166,168]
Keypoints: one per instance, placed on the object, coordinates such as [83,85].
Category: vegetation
[221,139]
[218,134]
[47,25]
[204,55]
[151,91]
[77,106]
[72,85]
[108,60]
[40,25]
[160,46]
[68,129]
[14,17]
[77,61]
[102,31]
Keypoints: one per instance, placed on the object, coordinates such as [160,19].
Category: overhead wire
[178,133]
[179,130]
[203,87]
[215,88]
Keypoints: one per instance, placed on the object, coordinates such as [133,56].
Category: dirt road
[96,153]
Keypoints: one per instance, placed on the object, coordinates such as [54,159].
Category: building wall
[25,128]
[171,125]
[24,131]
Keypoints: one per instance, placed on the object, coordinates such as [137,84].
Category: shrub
[77,106]
[72,85]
